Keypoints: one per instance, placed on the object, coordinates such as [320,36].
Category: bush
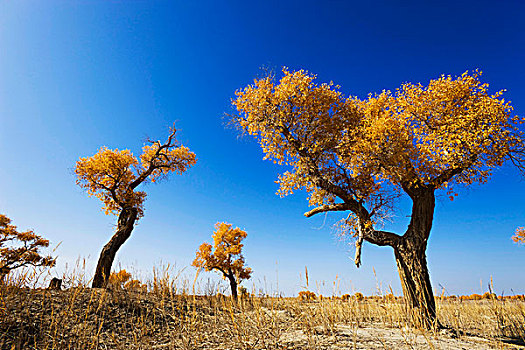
[123,280]
[307,295]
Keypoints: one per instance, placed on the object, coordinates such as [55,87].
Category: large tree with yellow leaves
[359,155]
[113,177]
[225,255]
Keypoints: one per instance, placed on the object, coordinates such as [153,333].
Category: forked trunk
[415,281]
[126,222]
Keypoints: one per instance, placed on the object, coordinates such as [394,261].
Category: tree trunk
[233,286]
[412,262]
[415,281]
[126,222]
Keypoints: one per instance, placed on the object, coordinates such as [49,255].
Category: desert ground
[158,316]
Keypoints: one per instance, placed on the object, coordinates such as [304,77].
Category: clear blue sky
[76,75]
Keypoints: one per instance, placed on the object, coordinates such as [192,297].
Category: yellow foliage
[113,175]
[123,280]
[107,176]
[519,235]
[307,295]
[119,278]
[18,249]
[366,152]
[226,253]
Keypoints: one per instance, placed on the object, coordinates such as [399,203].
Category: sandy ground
[378,337]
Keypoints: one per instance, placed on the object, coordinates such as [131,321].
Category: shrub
[389,297]
[123,280]
[307,295]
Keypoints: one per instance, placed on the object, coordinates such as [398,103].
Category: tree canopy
[113,175]
[226,253]
[360,155]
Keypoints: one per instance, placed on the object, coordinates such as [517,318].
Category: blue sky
[76,75]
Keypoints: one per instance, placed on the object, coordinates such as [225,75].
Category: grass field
[160,314]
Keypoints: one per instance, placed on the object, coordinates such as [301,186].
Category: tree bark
[126,222]
[233,286]
[411,260]
[415,281]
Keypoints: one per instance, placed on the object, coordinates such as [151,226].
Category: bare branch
[171,142]
[328,207]
[358,245]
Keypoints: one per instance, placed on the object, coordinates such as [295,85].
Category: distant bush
[389,297]
[358,296]
[307,295]
[488,295]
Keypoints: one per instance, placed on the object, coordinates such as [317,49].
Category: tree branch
[446,176]
[328,207]
[381,238]
[144,175]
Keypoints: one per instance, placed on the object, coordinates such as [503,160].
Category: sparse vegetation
[166,314]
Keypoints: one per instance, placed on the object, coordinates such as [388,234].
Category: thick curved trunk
[415,282]
[411,261]
[126,223]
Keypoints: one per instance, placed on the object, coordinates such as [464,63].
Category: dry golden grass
[167,315]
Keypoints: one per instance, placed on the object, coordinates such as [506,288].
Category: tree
[519,235]
[113,177]
[359,155]
[23,248]
[225,256]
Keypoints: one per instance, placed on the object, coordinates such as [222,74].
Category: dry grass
[167,315]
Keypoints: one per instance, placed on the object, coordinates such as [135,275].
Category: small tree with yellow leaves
[113,177]
[19,249]
[519,235]
[225,255]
